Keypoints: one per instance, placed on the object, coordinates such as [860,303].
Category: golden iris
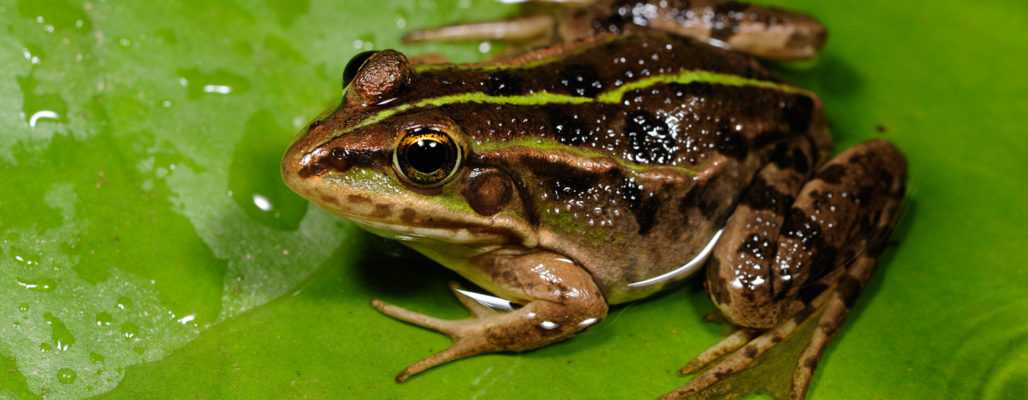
[427,157]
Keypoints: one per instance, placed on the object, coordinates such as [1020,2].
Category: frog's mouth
[467,235]
[410,217]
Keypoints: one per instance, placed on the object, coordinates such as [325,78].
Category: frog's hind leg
[532,28]
[840,301]
[828,244]
[559,297]
[766,32]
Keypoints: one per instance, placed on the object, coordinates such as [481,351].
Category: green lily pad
[149,249]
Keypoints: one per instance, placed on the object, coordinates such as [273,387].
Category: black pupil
[427,156]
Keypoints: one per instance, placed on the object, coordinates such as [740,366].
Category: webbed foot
[561,300]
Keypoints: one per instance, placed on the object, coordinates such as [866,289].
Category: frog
[623,147]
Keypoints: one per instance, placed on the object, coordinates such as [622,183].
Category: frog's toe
[741,357]
[828,309]
[467,339]
[465,346]
[443,326]
[726,346]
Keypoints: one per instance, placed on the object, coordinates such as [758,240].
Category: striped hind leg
[825,251]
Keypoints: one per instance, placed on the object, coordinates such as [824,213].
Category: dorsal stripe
[613,96]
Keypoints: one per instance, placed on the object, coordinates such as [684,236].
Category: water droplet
[66,376]
[129,330]
[53,17]
[41,285]
[256,157]
[262,202]
[220,82]
[39,106]
[124,303]
[59,333]
[23,307]
[42,115]
[187,319]
[104,319]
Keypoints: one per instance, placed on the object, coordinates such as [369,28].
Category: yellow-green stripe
[587,152]
[613,96]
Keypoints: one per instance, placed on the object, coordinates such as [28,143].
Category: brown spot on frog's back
[732,144]
[643,204]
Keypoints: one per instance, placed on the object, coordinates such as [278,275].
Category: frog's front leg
[778,266]
[559,299]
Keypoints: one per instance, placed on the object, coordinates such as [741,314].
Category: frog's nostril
[338,160]
[320,161]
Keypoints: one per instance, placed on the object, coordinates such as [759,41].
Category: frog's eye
[354,66]
[427,157]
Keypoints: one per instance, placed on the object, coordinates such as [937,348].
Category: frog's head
[401,171]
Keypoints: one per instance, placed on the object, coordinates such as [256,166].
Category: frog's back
[626,153]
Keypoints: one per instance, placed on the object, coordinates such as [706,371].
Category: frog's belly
[623,291]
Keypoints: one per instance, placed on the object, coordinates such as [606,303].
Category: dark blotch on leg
[808,293]
[785,157]
[799,226]
[849,290]
[727,16]
[758,246]
[824,261]
[832,174]
[750,351]
[761,196]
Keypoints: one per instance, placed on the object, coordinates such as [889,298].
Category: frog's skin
[566,179]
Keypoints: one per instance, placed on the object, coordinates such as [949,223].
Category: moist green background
[134,263]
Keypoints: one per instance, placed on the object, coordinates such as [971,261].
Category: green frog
[643,142]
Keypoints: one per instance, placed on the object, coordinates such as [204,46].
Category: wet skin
[607,166]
